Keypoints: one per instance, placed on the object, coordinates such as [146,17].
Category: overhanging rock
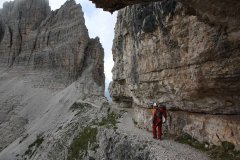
[113,5]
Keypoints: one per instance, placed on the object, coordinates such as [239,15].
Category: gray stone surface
[48,65]
[47,62]
[58,41]
[165,51]
[186,56]
[129,142]
[213,129]
[19,21]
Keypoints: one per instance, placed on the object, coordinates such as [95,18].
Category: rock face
[206,128]
[169,52]
[47,62]
[19,19]
[213,129]
[165,51]
[37,38]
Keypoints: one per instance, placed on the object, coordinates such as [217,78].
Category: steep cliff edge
[47,63]
[169,52]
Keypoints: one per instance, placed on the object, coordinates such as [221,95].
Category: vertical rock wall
[169,52]
[20,18]
[34,37]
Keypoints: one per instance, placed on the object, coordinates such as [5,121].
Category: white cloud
[1,3]
[99,23]
[56,4]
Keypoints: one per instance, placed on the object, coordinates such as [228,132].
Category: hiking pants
[154,130]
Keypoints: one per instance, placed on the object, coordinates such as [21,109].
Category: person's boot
[160,137]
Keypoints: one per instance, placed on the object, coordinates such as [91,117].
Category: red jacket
[157,116]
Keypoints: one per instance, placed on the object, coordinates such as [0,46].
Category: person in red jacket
[159,117]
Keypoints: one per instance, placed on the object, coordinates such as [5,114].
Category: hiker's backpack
[158,115]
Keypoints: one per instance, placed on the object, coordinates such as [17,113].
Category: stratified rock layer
[20,21]
[47,61]
[213,129]
[36,38]
[164,51]
[174,54]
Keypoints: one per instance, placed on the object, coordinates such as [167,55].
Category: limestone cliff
[170,52]
[34,37]
[19,19]
[47,63]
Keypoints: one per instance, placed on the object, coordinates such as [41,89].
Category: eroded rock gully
[183,56]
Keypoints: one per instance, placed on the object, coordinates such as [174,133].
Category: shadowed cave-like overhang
[114,5]
[226,13]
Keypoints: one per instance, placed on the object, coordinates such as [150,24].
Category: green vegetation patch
[110,121]
[224,152]
[228,146]
[87,139]
[82,142]
[80,106]
[188,139]
[34,146]
[219,153]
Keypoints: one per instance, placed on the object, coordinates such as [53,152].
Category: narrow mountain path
[165,149]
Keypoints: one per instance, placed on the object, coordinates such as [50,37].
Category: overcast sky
[99,23]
